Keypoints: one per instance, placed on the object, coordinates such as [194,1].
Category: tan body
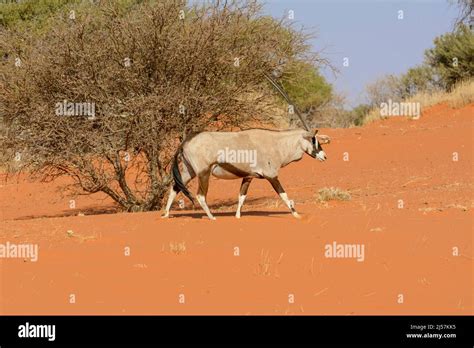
[254,153]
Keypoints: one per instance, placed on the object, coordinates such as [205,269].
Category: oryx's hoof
[165,216]
[296,215]
[237,216]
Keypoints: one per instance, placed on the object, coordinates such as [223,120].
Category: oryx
[248,154]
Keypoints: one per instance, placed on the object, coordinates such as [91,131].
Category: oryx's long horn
[287,98]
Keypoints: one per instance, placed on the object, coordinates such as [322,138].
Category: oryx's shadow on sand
[92,210]
[265,213]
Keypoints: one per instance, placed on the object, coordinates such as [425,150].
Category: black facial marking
[318,147]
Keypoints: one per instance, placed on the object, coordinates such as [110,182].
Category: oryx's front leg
[279,189]
[243,193]
[202,192]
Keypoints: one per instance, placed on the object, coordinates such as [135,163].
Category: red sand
[408,251]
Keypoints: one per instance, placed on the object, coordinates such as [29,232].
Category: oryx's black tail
[178,180]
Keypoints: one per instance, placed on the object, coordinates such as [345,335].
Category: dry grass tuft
[267,266]
[178,248]
[333,194]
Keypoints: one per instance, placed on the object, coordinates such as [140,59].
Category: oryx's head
[311,144]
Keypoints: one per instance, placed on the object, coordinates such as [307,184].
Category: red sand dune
[408,251]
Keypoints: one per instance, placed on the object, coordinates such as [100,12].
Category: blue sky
[369,33]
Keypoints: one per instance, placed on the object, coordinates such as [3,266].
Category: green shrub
[305,86]
[452,57]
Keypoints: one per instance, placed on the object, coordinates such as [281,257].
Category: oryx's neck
[289,147]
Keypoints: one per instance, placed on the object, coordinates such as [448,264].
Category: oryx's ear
[323,139]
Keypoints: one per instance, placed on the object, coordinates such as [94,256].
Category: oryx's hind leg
[244,187]
[279,189]
[187,175]
[171,198]
[202,192]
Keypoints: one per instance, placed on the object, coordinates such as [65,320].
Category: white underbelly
[221,173]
